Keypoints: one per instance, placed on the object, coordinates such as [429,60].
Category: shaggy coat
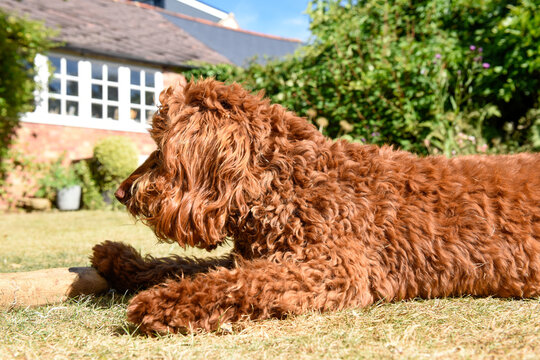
[316,224]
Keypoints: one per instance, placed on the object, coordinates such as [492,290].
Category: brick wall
[47,142]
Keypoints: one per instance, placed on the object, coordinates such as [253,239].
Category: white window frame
[84,118]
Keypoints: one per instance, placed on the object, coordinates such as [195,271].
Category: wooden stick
[49,286]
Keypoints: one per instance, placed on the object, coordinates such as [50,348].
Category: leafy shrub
[58,176]
[428,76]
[20,41]
[115,158]
[91,195]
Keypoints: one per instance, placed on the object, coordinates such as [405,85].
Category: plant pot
[69,198]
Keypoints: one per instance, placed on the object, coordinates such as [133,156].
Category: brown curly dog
[316,224]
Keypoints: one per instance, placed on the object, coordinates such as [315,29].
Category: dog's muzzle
[122,195]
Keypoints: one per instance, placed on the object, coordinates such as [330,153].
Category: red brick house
[114,58]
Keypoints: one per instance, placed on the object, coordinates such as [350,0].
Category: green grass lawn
[95,328]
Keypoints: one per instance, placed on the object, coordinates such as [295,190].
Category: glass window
[135,96]
[97,72]
[97,91]
[149,115]
[112,93]
[112,74]
[135,114]
[107,96]
[55,62]
[72,88]
[54,86]
[149,79]
[72,67]
[72,108]
[63,87]
[135,77]
[97,111]
[54,106]
[112,112]
[149,98]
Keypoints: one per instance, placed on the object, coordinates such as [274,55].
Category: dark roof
[239,46]
[116,29]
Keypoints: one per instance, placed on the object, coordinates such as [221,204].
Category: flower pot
[69,198]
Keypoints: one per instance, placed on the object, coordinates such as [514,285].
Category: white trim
[78,121]
[206,8]
[84,98]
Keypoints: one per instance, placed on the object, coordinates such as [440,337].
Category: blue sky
[275,17]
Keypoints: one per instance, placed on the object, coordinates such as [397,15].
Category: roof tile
[116,29]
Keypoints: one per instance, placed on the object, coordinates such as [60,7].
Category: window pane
[72,88]
[97,91]
[97,71]
[97,111]
[55,62]
[135,115]
[135,96]
[54,86]
[54,106]
[112,112]
[135,77]
[72,108]
[149,114]
[112,93]
[72,67]
[149,98]
[149,79]
[112,74]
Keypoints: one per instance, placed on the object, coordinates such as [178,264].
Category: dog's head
[211,139]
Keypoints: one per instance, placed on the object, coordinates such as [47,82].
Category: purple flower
[375,134]
[486,65]
[437,56]
[480,49]
[459,72]
[363,139]
[478,59]
[472,47]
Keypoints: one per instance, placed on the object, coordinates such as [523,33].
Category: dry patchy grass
[95,328]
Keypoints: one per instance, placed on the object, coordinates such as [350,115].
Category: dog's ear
[208,159]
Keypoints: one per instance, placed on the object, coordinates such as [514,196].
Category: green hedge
[428,76]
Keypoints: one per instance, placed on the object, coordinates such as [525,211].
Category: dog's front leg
[126,270]
[256,289]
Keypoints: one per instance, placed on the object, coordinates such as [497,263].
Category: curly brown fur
[316,224]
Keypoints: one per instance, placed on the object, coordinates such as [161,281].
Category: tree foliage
[20,41]
[428,76]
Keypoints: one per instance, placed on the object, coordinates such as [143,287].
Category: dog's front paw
[154,312]
[117,263]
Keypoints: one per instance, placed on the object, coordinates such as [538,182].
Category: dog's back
[467,225]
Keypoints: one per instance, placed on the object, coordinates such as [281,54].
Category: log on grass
[49,286]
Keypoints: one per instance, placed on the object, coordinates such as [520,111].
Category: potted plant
[62,184]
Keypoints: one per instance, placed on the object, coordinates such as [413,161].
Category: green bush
[57,176]
[430,76]
[20,41]
[114,159]
[92,197]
